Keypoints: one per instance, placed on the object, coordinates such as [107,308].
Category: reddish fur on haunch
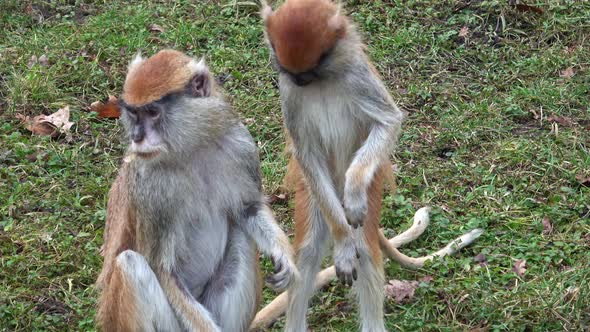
[115,308]
[301,31]
[157,76]
[119,232]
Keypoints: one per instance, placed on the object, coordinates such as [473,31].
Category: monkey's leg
[311,235]
[369,289]
[233,293]
[133,300]
[369,286]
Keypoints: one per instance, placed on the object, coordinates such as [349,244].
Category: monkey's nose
[138,134]
[303,79]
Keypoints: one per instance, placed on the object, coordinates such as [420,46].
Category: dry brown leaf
[44,60]
[399,290]
[583,179]
[519,267]
[156,28]
[481,259]
[32,61]
[547,227]
[426,279]
[48,125]
[464,32]
[109,110]
[567,73]
[528,8]
[278,199]
[37,126]
[562,120]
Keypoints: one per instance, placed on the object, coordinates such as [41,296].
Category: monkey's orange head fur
[301,31]
[150,79]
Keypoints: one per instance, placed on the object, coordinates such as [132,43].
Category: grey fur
[344,121]
[200,209]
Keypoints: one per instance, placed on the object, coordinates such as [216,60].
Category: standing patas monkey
[341,124]
[185,213]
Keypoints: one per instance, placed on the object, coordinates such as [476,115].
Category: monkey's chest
[328,124]
[183,230]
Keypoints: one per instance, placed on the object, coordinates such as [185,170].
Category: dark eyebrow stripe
[163,100]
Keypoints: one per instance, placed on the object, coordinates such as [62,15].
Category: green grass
[472,148]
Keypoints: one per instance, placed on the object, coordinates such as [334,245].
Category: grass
[480,145]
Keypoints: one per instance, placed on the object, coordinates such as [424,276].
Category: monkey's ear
[265,10]
[201,84]
[338,23]
[137,60]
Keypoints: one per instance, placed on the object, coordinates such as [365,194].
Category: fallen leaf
[32,61]
[156,28]
[481,259]
[399,290]
[583,180]
[569,49]
[464,32]
[280,198]
[44,60]
[110,110]
[562,120]
[426,279]
[547,227]
[528,8]
[571,293]
[567,73]
[48,125]
[519,267]
[38,127]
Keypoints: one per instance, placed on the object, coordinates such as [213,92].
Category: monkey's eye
[323,57]
[152,113]
[131,111]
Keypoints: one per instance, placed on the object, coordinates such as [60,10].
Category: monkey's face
[304,36]
[144,129]
[165,104]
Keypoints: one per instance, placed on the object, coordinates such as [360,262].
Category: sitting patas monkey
[186,211]
[342,124]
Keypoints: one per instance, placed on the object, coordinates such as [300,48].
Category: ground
[497,137]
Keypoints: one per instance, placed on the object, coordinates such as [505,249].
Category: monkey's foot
[345,261]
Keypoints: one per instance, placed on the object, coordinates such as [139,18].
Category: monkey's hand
[355,197]
[345,260]
[285,272]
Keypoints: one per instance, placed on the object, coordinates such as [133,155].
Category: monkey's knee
[136,269]
[134,299]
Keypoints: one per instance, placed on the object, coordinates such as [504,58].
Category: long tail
[421,221]
[278,306]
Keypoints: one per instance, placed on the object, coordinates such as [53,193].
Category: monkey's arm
[190,312]
[315,172]
[259,223]
[385,125]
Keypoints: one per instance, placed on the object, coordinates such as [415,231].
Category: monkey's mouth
[148,155]
[305,78]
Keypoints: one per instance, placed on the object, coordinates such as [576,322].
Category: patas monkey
[186,211]
[342,124]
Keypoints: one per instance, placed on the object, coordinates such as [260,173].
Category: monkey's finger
[354,274]
[278,267]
